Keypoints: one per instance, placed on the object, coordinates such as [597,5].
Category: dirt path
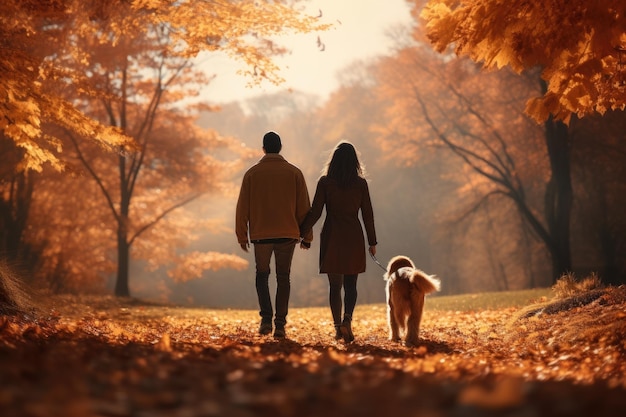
[108,357]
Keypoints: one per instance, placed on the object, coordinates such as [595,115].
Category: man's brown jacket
[273,201]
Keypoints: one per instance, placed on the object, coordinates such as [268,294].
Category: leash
[378,263]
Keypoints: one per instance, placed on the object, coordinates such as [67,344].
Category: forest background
[463,179]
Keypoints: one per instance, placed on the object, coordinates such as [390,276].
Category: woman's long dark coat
[342,244]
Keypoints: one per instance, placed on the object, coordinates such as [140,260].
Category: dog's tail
[396,263]
[425,283]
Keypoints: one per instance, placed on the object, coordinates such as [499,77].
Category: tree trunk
[123,246]
[123,256]
[558,197]
[14,216]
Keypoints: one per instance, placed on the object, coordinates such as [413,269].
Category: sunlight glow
[359,33]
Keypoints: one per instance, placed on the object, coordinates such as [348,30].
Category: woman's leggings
[348,283]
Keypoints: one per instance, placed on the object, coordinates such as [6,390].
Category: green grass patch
[487,300]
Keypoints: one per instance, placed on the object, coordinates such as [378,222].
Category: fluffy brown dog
[406,288]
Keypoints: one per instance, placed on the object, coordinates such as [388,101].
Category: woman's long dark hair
[343,165]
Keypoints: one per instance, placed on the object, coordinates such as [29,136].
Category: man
[272,203]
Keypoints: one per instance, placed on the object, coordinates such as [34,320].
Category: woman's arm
[368,217]
[316,209]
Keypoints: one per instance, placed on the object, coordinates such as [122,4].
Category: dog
[406,288]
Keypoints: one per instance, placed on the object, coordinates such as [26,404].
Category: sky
[359,33]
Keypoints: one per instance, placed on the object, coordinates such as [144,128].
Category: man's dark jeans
[283,254]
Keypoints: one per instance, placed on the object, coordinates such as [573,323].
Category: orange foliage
[434,102]
[41,57]
[580,46]
[471,126]
[32,32]
[75,226]
[193,265]
[127,65]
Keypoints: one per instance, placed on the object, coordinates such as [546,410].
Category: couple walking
[274,210]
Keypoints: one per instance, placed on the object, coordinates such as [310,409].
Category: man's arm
[242,214]
[303,205]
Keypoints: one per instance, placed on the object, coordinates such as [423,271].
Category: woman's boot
[338,334]
[346,330]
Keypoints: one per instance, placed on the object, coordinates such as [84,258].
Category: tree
[580,73]
[76,229]
[437,103]
[100,62]
[579,45]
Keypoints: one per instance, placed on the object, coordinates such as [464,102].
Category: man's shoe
[279,333]
[265,328]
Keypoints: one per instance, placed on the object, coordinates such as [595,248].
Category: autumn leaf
[170,359]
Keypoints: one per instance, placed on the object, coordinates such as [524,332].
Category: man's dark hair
[271,142]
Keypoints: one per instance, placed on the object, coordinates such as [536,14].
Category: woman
[343,190]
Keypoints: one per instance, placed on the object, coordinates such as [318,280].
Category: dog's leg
[401,315]
[391,313]
[393,324]
[415,317]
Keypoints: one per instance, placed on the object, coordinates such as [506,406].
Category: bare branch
[161,216]
[94,175]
